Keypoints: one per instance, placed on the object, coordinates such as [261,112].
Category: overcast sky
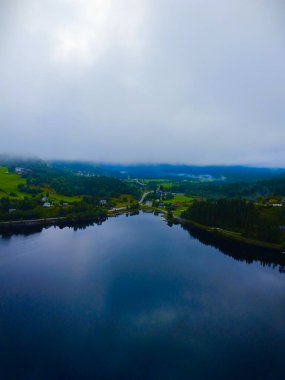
[192,81]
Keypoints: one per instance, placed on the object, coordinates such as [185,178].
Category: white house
[22,171]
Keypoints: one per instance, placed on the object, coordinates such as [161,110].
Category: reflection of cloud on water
[156,318]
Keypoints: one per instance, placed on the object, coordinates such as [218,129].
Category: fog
[198,82]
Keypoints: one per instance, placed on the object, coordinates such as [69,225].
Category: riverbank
[45,222]
[230,235]
[63,220]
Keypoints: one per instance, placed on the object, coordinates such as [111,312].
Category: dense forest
[174,172]
[263,223]
[68,183]
[249,190]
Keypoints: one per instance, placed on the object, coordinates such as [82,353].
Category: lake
[134,298]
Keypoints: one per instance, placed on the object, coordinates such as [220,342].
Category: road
[144,195]
[125,207]
[118,208]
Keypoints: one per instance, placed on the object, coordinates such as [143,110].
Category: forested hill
[274,186]
[173,171]
[65,181]
[31,189]
[68,183]
[251,190]
[239,215]
[76,178]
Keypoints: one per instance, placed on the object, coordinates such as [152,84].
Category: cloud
[199,82]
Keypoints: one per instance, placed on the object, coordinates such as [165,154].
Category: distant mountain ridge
[234,173]
[230,173]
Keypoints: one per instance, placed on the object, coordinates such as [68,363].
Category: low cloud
[198,82]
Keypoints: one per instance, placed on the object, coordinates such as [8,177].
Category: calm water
[136,299]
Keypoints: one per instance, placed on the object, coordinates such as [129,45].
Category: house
[102,202]
[44,199]
[46,204]
[148,203]
[11,210]
[22,171]
[65,204]
[277,204]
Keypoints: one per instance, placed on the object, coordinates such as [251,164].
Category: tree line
[67,183]
[219,189]
[241,216]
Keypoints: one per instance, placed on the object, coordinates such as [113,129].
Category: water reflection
[7,232]
[240,251]
[136,300]
[237,250]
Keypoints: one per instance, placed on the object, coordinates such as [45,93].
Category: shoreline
[45,222]
[229,235]
[225,234]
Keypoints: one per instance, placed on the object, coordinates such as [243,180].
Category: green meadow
[9,188]
[9,183]
[124,200]
[179,199]
[57,198]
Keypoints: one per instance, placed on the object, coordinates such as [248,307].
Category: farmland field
[124,200]
[9,188]
[9,183]
[179,199]
[56,198]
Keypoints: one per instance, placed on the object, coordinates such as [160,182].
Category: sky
[177,81]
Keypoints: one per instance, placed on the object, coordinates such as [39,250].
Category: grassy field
[9,183]
[178,210]
[179,199]
[57,198]
[167,184]
[124,200]
[158,180]
[181,203]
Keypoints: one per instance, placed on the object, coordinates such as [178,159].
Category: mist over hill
[178,172]
[223,173]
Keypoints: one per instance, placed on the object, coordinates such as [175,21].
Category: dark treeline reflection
[239,251]
[133,299]
[26,230]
